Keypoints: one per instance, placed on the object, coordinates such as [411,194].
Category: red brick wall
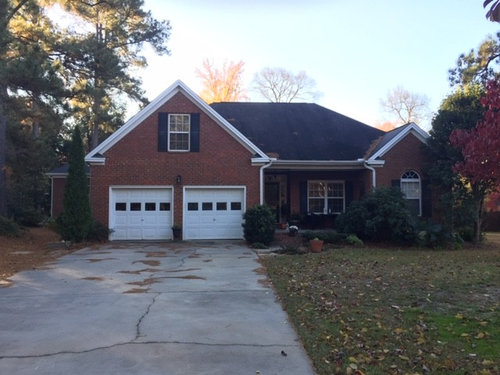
[58,186]
[407,154]
[135,160]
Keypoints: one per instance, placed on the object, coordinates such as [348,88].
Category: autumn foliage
[480,146]
[222,84]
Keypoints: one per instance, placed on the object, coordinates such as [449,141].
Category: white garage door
[213,213]
[141,213]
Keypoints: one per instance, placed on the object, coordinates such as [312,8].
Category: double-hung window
[178,132]
[325,197]
[411,189]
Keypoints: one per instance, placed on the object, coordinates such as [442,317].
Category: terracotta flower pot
[316,246]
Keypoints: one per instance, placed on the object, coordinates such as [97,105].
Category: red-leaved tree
[480,147]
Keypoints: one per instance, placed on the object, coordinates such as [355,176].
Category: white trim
[188,132]
[141,116]
[261,181]
[110,203]
[410,128]
[51,196]
[325,198]
[318,164]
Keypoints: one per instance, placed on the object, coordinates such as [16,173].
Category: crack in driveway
[141,318]
[159,342]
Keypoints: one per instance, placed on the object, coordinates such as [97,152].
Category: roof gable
[390,139]
[300,131]
[96,155]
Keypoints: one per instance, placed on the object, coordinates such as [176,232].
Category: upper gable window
[178,132]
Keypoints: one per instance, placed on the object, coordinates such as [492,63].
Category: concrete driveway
[144,308]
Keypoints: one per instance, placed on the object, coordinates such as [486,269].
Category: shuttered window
[178,132]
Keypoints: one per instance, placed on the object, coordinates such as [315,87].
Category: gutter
[374,173]
[261,178]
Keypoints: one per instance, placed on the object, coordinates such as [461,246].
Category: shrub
[328,236]
[432,234]
[99,232]
[8,227]
[29,218]
[352,239]
[259,225]
[382,215]
[76,221]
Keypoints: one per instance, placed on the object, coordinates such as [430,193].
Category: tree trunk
[3,177]
[478,197]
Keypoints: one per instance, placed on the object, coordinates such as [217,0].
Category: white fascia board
[262,161]
[412,128]
[177,86]
[375,163]
[317,164]
[95,160]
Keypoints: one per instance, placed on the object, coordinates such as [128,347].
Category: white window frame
[411,176]
[325,196]
[188,132]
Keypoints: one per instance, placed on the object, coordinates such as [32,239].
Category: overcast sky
[356,50]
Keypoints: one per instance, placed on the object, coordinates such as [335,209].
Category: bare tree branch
[407,106]
[280,85]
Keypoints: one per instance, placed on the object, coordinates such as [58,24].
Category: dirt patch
[187,277]
[184,270]
[93,278]
[148,281]
[34,248]
[154,254]
[136,290]
[99,260]
[151,263]
[138,272]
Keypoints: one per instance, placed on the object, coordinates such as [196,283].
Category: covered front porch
[312,196]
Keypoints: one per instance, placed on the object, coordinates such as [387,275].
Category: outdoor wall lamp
[178,179]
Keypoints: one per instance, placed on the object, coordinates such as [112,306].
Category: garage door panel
[141,213]
[208,213]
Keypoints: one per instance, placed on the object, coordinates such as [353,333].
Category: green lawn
[379,311]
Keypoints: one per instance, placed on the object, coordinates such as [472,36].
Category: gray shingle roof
[300,131]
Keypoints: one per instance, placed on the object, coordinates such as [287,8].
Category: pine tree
[76,219]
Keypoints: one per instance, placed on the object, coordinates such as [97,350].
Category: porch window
[411,189]
[178,132]
[325,197]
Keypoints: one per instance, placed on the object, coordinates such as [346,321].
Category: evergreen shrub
[259,225]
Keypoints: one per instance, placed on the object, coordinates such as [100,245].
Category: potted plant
[316,245]
[177,231]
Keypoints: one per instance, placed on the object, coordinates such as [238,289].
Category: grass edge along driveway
[411,311]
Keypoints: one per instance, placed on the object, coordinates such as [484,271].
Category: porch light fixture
[178,179]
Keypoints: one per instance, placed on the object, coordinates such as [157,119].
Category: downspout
[374,174]
[261,176]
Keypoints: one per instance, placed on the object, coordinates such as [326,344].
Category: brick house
[180,161]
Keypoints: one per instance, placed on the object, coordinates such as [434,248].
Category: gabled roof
[96,155]
[390,139]
[300,131]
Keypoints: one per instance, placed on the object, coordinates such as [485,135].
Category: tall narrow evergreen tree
[76,219]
